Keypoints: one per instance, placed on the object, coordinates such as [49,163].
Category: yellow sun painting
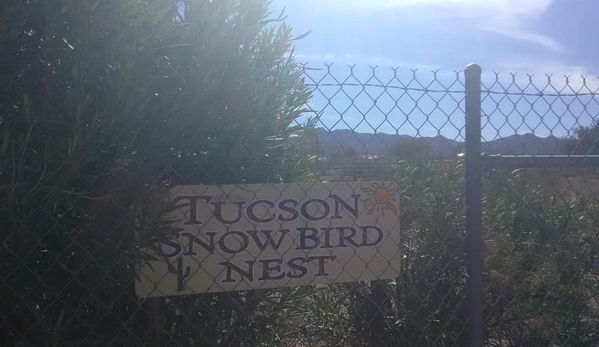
[380,197]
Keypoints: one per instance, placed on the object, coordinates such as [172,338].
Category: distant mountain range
[339,141]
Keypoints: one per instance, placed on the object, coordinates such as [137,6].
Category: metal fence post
[474,204]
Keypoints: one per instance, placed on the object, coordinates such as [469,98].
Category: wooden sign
[248,237]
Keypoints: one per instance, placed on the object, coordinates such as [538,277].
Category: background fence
[528,180]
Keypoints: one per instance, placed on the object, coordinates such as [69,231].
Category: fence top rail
[539,161]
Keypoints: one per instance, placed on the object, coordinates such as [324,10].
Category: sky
[537,37]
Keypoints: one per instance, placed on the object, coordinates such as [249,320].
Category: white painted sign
[247,237]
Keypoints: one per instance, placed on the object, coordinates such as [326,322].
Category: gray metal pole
[474,204]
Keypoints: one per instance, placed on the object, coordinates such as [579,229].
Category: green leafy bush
[540,266]
[105,104]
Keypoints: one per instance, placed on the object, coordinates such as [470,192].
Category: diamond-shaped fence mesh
[347,231]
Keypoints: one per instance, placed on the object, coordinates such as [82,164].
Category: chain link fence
[72,268]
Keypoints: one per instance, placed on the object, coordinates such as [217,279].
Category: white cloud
[350,59]
[514,19]
[500,8]
[516,33]
[561,77]
[564,77]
